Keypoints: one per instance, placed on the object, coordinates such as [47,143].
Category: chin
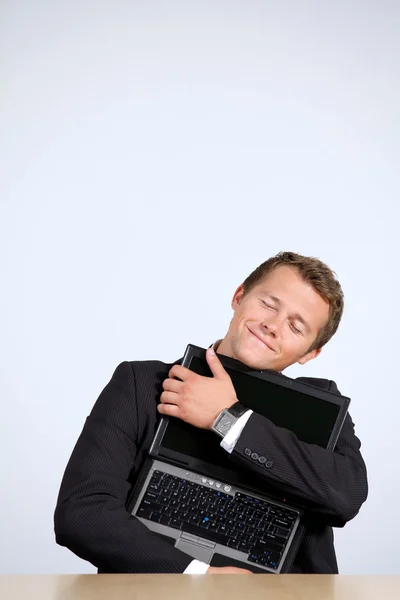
[247,357]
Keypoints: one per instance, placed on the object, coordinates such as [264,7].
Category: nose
[273,326]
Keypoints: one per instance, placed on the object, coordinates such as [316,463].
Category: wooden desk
[199,587]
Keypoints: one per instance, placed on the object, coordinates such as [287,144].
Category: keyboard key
[250,530]
[253,557]
[280,532]
[184,516]
[262,559]
[279,522]
[155,517]
[157,476]
[268,545]
[165,520]
[154,488]
[150,505]
[221,520]
[145,513]
[270,537]
[244,547]
[273,561]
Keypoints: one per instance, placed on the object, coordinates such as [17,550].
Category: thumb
[215,364]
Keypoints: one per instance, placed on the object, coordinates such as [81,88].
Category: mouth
[262,340]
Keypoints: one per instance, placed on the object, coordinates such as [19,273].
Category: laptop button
[227,488]
[189,537]
[262,460]
[269,464]
[254,456]
[206,543]
[247,452]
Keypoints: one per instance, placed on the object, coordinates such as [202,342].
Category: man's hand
[227,571]
[196,399]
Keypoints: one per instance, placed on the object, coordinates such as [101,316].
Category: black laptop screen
[310,418]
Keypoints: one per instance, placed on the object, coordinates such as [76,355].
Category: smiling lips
[262,340]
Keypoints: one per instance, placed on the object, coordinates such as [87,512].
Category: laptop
[192,493]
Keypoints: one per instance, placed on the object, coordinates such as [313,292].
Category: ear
[309,356]
[237,297]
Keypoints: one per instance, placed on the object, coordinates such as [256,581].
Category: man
[284,312]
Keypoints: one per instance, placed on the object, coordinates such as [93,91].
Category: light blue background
[154,153]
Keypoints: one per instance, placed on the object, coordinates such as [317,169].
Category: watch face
[225,424]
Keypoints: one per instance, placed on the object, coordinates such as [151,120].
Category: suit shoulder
[149,366]
[150,370]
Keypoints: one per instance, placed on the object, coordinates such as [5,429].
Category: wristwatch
[227,418]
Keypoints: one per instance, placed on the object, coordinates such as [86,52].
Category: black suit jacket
[91,517]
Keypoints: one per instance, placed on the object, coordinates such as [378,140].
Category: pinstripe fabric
[90,517]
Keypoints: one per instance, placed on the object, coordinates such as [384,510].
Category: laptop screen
[310,418]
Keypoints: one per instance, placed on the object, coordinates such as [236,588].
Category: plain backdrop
[152,153]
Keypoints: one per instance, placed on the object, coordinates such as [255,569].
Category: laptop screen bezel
[157,449]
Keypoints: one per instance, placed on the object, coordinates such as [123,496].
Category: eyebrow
[296,317]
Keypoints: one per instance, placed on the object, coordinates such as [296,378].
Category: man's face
[276,322]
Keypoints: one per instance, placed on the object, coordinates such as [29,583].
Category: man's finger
[169,398]
[179,372]
[215,364]
[168,410]
[172,385]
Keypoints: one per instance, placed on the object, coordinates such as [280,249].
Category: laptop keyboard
[257,527]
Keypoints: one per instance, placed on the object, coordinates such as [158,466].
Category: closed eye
[267,305]
[295,329]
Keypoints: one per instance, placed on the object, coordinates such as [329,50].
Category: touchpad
[203,554]
[219,560]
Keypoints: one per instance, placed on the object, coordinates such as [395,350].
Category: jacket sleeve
[331,485]
[90,517]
